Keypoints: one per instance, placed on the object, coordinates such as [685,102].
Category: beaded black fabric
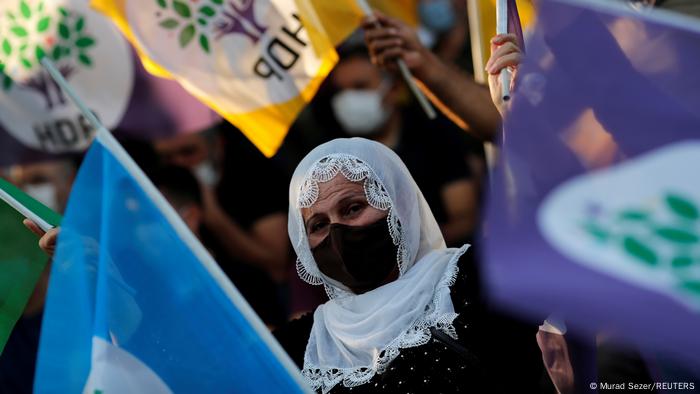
[493,353]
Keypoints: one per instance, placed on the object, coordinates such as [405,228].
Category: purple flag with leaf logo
[595,212]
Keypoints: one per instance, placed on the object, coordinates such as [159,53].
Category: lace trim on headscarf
[417,334]
[354,170]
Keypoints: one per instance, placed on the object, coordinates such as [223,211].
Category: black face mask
[360,257]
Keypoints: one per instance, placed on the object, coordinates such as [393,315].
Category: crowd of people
[387,223]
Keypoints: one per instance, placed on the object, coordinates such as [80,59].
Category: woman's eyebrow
[345,196]
[349,196]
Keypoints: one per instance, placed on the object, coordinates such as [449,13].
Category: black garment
[251,187]
[494,353]
[18,359]
[435,153]
[267,298]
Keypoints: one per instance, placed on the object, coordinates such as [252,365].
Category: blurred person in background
[48,182]
[183,191]
[444,29]
[366,102]
[243,206]
[457,95]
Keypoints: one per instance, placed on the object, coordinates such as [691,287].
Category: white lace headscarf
[355,337]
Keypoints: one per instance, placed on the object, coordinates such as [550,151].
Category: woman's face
[339,201]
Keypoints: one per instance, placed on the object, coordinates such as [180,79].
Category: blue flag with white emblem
[137,305]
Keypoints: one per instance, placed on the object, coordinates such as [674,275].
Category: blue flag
[595,213]
[136,304]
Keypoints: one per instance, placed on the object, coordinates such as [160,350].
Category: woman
[403,314]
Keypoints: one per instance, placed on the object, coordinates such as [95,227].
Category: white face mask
[206,173]
[44,193]
[360,112]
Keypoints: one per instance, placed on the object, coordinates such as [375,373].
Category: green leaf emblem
[25,63]
[56,53]
[634,215]
[208,11]
[19,31]
[681,261]
[84,42]
[170,23]
[204,42]
[692,286]
[676,235]
[39,52]
[639,251]
[25,10]
[84,59]
[6,47]
[80,24]
[682,207]
[63,31]
[43,24]
[186,35]
[182,9]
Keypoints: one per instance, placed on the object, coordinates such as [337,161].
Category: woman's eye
[317,226]
[354,208]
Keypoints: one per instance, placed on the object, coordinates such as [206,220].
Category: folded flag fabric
[135,303]
[595,214]
[255,62]
[250,60]
[21,260]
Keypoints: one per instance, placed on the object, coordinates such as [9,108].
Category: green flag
[21,260]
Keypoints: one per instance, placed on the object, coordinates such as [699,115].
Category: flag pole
[181,229]
[502,28]
[58,77]
[477,42]
[403,69]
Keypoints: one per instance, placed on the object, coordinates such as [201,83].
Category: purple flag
[595,211]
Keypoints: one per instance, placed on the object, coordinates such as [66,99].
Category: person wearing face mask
[182,190]
[245,227]
[404,313]
[366,103]
[248,230]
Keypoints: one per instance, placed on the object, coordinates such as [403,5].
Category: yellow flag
[252,61]
[406,10]
[482,26]
[256,62]
[330,22]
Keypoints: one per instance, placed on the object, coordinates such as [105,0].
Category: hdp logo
[201,20]
[33,33]
[646,228]
[86,49]
[229,18]
[667,240]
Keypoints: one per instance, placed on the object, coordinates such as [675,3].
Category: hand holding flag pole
[502,28]
[403,69]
